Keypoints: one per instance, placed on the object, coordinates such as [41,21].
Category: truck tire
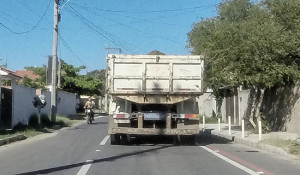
[188,140]
[115,139]
[125,139]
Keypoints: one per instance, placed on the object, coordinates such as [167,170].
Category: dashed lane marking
[103,142]
[84,169]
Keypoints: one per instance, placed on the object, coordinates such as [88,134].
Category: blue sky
[87,27]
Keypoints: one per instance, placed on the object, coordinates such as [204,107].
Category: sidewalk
[251,139]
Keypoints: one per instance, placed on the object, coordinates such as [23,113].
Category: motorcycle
[89,117]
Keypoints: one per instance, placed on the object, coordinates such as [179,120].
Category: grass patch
[209,120]
[33,128]
[65,121]
[291,146]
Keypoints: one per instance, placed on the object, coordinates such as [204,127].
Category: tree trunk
[253,108]
[256,105]
[260,100]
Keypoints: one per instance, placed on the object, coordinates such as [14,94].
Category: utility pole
[54,60]
[59,73]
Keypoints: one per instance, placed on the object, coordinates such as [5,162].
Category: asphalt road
[85,149]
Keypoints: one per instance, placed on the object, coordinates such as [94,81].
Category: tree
[71,81]
[38,82]
[101,75]
[251,44]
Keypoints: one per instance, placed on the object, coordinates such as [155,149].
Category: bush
[20,126]
[45,120]
[33,121]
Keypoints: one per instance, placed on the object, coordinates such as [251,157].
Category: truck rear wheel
[187,140]
[115,139]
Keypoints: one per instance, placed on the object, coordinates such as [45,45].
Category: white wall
[22,107]
[206,104]
[66,103]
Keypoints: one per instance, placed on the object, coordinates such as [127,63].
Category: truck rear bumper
[153,131]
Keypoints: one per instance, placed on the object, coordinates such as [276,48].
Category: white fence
[22,107]
[66,103]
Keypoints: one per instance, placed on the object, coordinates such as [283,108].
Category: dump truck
[153,95]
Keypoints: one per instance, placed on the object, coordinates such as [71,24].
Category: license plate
[154,116]
[121,121]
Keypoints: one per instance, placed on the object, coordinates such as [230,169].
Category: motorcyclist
[90,105]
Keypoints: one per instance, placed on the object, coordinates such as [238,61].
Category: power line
[100,30]
[134,29]
[16,21]
[70,50]
[90,26]
[18,33]
[151,11]
[104,33]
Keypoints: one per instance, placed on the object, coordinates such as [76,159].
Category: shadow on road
[113,158]
[204,138]
[99,123]
[207,138]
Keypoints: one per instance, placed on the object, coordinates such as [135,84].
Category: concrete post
[219,124]
[243,128]
[234,107]
[229,125]
[203,121]
[259,129]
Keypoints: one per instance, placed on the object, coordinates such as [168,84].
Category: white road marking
[84,169]
[247,170]
[103,142]
[98,150]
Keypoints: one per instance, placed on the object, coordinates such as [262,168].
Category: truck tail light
[190,116]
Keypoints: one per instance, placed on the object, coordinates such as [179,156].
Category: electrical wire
[110,37]
[39,21]
[139,19]
[151,11]
[18,22]
[134,29]
[70,50]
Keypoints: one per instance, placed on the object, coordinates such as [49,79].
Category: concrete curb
[12,139]
[266,147]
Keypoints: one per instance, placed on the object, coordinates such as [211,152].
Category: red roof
[10,72]
[27,73]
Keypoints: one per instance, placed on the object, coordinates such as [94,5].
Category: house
[8,77]
[27,73]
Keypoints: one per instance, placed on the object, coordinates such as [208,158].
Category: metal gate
[6,107]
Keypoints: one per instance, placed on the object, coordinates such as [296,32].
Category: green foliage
[250,44]
[72,81]
[101,75]
[35,83]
